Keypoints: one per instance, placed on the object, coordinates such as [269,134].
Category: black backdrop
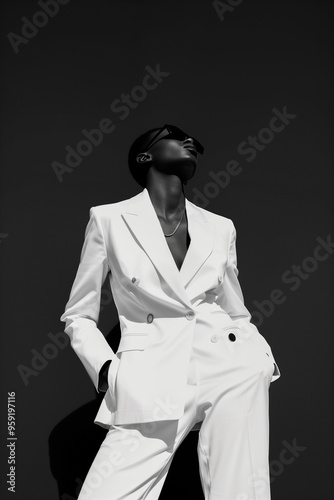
[223,71]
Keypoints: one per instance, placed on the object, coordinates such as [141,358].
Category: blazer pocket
[132,342]
[265,346]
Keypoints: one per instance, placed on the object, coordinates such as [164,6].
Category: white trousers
[228,391]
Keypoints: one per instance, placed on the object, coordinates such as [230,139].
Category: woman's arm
[231,299]
[83,307]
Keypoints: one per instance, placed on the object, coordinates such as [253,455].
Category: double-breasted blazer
[156,303]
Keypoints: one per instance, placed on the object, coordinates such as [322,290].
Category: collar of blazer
[143,221]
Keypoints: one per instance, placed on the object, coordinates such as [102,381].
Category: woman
[189,358]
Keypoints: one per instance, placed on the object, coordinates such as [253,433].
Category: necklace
[177,227]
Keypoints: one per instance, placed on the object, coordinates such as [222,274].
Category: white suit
[157,304]
[188,358]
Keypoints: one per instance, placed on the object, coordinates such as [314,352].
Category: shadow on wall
[75,441]
[73,444]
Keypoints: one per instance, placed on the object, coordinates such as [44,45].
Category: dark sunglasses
[173,133]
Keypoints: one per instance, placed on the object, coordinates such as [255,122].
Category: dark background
[225,78]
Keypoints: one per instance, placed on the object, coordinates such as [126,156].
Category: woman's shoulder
[213,217]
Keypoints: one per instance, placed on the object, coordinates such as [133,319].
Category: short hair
[139,171]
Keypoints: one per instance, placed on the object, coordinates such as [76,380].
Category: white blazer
[156,304]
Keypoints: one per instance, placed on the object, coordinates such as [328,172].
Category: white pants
[228,391]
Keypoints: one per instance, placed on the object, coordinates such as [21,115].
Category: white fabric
[227,393]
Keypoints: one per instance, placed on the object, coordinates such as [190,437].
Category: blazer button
[232,337]
[150,318]
[190,315]
[135,280]
[214,338]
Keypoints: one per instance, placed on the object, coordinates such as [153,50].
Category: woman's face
[174,157]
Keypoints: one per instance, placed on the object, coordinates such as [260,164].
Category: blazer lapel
[142,220]
[201,234]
